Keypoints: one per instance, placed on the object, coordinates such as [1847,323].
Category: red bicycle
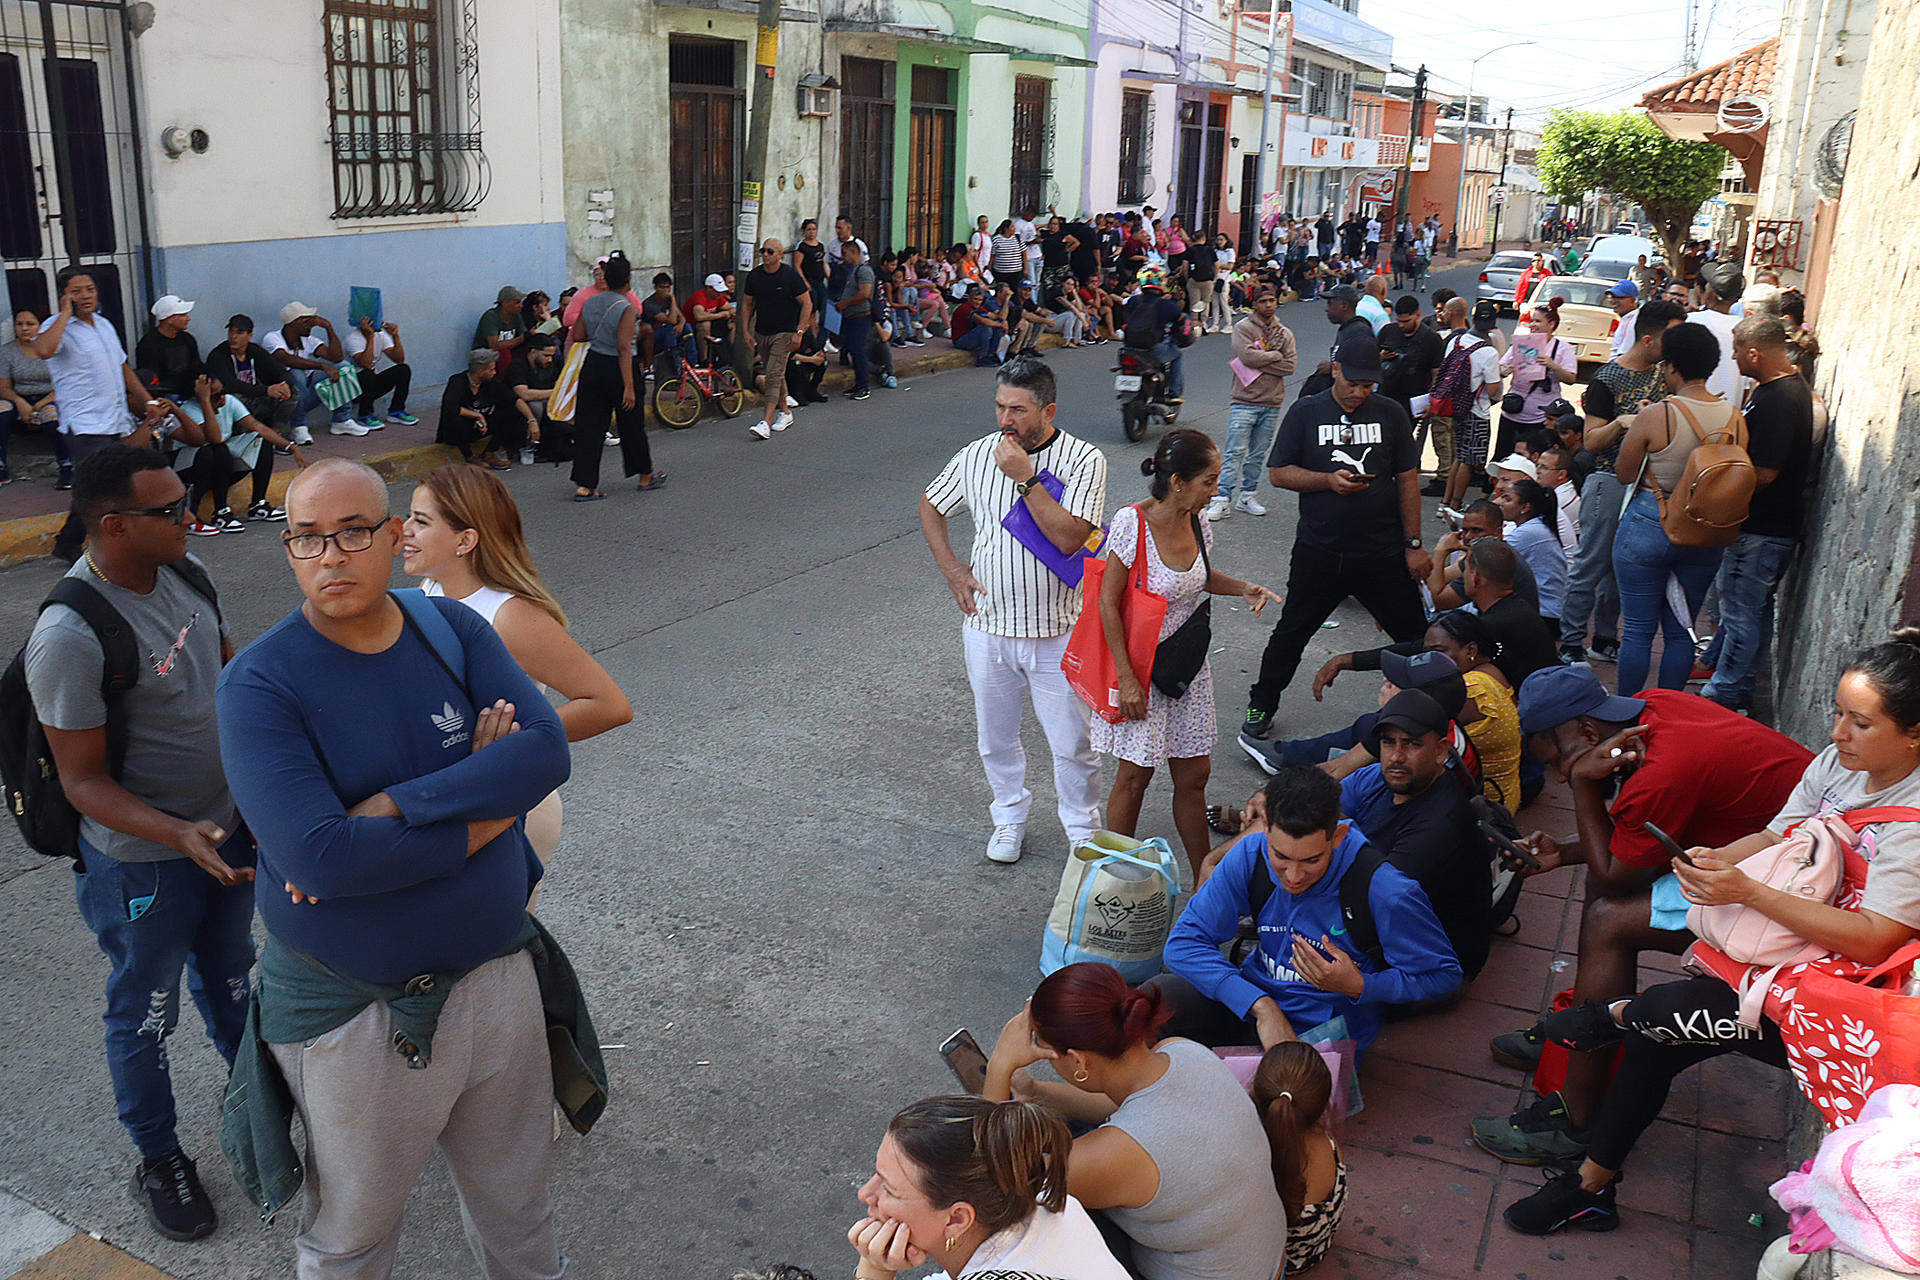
[679,400]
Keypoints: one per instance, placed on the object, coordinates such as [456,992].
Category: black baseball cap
[1409,709]
[1359,360]
[1342,293]
[1560,409]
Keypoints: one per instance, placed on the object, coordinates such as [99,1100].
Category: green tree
[1624,153]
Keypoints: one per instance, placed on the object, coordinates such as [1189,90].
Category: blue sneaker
[403,419]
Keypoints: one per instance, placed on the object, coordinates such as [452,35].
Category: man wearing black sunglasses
[776,308]
[165,875]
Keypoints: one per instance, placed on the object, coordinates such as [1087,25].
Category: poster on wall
[1379,185]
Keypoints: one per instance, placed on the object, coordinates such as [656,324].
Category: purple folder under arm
[1068,566]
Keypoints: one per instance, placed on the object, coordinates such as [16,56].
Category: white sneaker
[301,436]
[760,431]
[1220,508]
[792,403]
[1248,503]
[782,420]
[348,428]
[1004,846]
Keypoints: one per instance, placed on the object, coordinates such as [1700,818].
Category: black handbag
[1179,657]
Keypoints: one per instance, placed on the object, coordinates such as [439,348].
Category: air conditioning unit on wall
[816,94]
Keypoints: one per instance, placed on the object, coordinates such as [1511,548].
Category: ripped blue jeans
[152,920]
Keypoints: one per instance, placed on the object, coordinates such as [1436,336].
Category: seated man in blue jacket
[387,757]
[1318,957]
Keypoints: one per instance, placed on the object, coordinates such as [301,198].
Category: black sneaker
[1534,1135]
[1263,753]
[1434,488]
[1583,1027]
[861,395]
[264,510]
[1607,649]
[1258,723]
[227,522]
[1572,655]
[66,479]
[176,1203]
[1563,1202]
[1518,1049]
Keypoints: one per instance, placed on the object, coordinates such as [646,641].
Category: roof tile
[1743,74]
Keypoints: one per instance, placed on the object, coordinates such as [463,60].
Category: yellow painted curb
[81,1257]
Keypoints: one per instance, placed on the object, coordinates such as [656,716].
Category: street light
[1466,132]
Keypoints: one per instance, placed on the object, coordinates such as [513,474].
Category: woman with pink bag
[1873,765]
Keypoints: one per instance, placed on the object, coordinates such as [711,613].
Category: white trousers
[1004,670]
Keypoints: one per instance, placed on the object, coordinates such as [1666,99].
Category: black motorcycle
[1141,381]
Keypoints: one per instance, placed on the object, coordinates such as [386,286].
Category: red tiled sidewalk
[1424,1201]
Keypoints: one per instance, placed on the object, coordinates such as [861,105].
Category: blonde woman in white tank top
[463,539]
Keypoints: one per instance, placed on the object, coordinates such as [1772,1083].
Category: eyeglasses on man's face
[311,546]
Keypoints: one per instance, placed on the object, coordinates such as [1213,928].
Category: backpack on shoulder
[47,819]
[1708,506]
[1454,384]
[1356,907]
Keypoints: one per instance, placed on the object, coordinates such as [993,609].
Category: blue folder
[1068,566]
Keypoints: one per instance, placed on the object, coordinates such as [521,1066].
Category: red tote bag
[1088,663]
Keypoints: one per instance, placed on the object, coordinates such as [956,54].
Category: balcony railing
[1393,149]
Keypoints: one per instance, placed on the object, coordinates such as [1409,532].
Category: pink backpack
[1810,863]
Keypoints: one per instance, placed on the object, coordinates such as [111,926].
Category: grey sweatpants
[486,1100]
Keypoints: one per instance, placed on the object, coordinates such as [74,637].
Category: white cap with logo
[170,305]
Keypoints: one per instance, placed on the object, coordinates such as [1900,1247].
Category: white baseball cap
[1514,462]
[295,310]
[717,282]
[171,305]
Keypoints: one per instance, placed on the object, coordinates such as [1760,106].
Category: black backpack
[1355,907]
[39,805]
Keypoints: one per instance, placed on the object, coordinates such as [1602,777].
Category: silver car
[1500,278]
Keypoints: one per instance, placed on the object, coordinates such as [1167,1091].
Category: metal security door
[866,147]
[1186,187]
[71,190]
[1032,138]
[930,160]
[703,128]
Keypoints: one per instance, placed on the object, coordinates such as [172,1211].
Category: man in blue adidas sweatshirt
[1307,966]
[385,758]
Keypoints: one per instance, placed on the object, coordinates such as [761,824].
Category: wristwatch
[1413,544]
[1024,487]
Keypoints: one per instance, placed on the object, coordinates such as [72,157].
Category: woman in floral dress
[1185,473]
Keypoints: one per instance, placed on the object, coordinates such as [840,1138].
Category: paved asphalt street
[771,882]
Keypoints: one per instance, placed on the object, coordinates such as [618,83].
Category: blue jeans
[1643,559]
[1749,576]
[854,332]
[1591,591]
[151,920]
[1250,429]
[1169,355]
[979,340]
[307,382]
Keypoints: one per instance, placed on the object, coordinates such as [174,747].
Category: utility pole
[1506,143]
[759,125]
[1403,198]
[1266,114]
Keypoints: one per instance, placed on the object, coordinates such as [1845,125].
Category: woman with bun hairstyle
[1539,364]
[1179,1163]
[1874,763]
[1291,1089]
[974,1187]
[1178,731]
[462,538]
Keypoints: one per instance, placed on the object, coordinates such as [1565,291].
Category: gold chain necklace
[96,568]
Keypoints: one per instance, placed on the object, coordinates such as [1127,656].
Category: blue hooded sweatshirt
[1420,961]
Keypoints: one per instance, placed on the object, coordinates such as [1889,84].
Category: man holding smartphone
[1349,453]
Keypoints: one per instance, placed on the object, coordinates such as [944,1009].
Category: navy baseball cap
[1432,673]
[1554,695]
[1624,289]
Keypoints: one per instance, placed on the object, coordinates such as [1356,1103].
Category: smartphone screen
[1668,843]
[963,1057]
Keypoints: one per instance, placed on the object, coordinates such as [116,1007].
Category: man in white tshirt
[1724,286]
[1018,612]
[364,346]
[306,345]
[1373,241]
[1028,234]
[1624,301]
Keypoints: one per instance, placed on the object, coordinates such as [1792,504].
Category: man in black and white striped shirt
[1018,612]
